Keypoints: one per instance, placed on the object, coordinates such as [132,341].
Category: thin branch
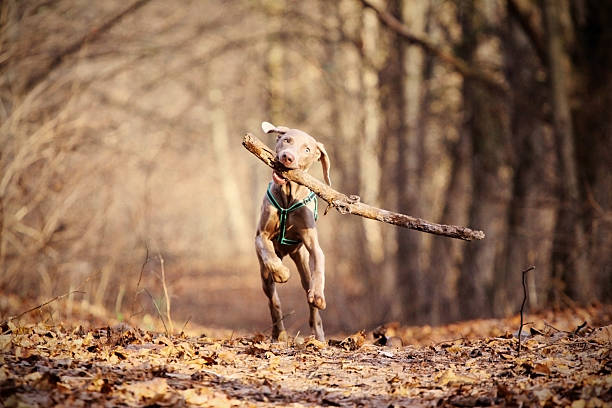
[137,292]
[185,325]
[535,39]
[159,313]
[580,327]
[554,328]
[459,64]
[524,274]
[78,44]
[144,263]
[5,323]
[291,313]
[163,274]
[350,204]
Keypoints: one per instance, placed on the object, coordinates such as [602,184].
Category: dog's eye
[308,150]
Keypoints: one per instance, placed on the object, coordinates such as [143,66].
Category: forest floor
[565,359]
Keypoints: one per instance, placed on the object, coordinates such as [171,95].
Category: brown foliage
[47,365]
[120,130]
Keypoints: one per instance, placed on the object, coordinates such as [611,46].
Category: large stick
[350,204]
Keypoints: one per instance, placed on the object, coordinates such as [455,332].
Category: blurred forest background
[120,138]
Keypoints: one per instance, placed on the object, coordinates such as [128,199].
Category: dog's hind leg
[301,259]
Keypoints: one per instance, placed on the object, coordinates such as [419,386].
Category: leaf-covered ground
[561,363]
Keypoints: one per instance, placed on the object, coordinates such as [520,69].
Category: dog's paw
[316,299]
[280,273]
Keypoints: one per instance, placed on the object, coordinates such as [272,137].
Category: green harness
[285,211]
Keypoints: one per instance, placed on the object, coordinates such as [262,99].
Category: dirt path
[43,365]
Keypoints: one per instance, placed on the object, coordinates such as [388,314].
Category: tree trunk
[392,85]
[236,220]
[381,272]
[568,257]
[410,249]
[528,226]
[486,125]
[592,61]
[441,284]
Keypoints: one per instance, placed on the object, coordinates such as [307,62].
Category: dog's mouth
[278,179]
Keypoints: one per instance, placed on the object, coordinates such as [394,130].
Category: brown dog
[287,227]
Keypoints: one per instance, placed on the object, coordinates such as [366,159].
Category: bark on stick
[351,204]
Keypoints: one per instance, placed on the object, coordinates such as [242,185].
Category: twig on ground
[554,328]
[185,325]
[524,274]
[163,275]
[580,327]
[5,323]
[291,313]
[449,341]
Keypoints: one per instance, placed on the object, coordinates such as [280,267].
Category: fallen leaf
[353,342]
[4,374]
[258,349]
[205,397]
[602,335]
[164,340]
[148,391]
[449,377]
[313,343]
[35,376]
[5,342]
[543,395]
[454,349]
[541,369]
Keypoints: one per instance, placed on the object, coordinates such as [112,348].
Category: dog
[287,227]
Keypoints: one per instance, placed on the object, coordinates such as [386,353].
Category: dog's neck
[290,192]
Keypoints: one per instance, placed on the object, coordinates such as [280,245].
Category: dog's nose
[287,158]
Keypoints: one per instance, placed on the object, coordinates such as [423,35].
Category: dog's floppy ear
[324,158]
[267,127]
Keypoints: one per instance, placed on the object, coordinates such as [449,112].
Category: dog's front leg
[316,296]
[271,263]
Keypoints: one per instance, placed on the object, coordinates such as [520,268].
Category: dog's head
[296,149]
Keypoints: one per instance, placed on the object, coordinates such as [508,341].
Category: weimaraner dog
[287,227]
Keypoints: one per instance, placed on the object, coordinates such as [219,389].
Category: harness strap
[283,212]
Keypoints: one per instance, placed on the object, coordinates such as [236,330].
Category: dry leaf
[205,397]
[5,342]
[455,349]
[354,341]
[541,369]
[151,391]
[313,343]
[449,377]
[543,395]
